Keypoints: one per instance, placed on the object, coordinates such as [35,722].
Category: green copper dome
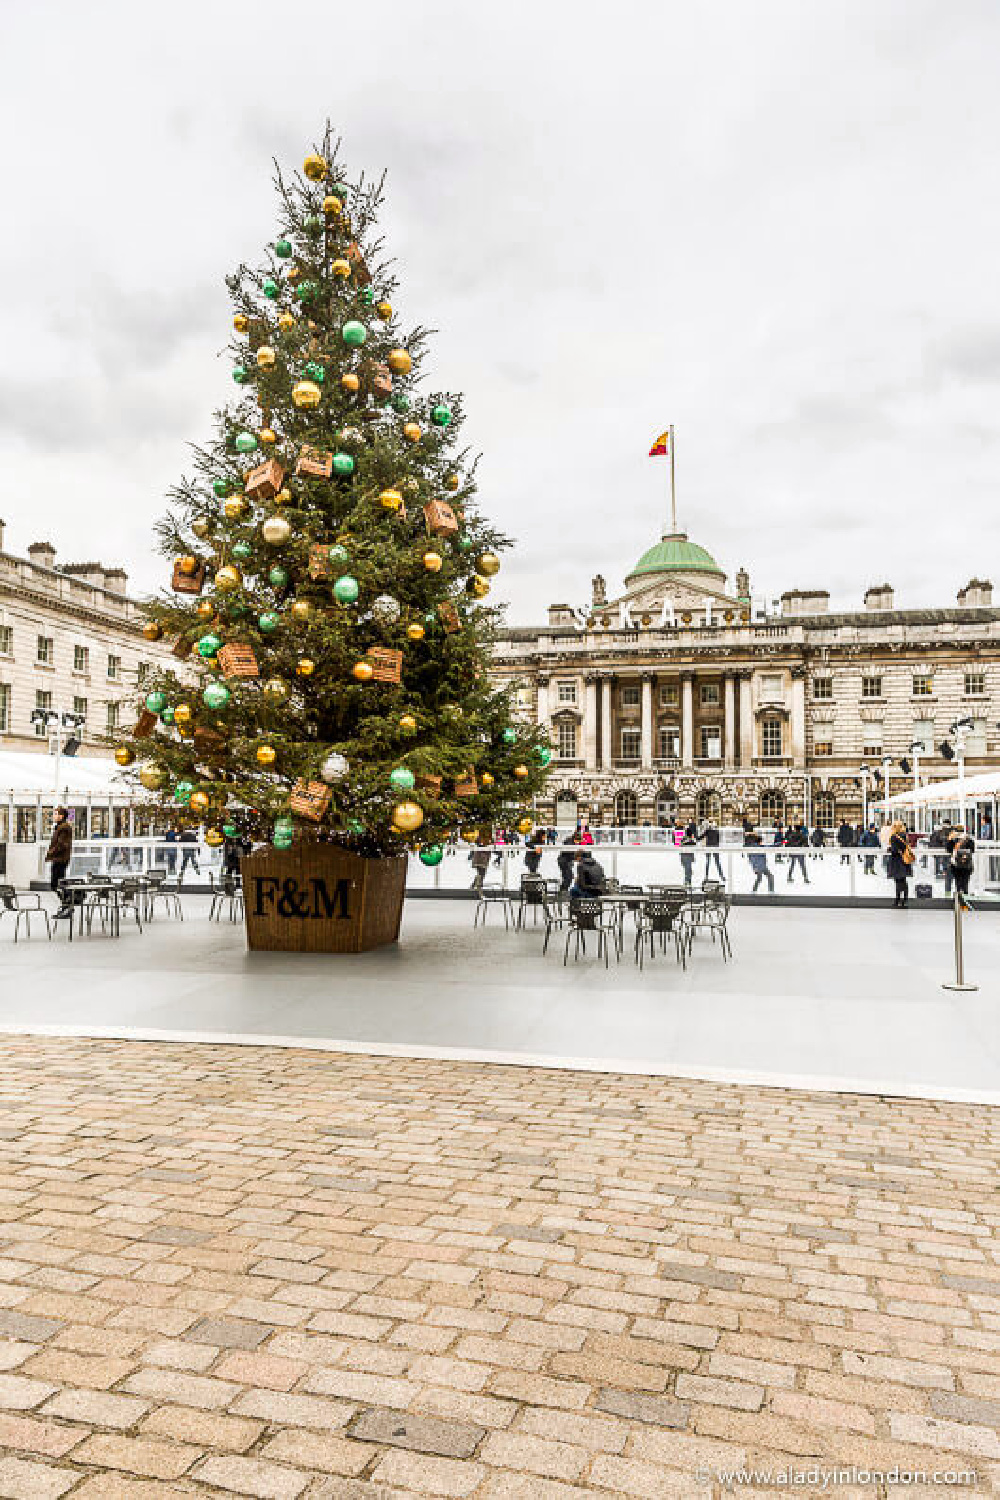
[675,554]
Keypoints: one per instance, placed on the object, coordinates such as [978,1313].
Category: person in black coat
[712,839]
[845,838]
[961,848]
[533,852]
[758,860]
[590,878]
[797,838]
[869,840]
[899,866]
[566,860]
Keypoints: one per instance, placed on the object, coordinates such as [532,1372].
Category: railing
[191,860]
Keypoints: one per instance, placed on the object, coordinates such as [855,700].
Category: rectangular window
[112,721]
[975,684]
[114,668]
[668,694]
[567,742]
[770,687]
[709,694]
[923,685]
[45,650]
[80,707]
[630,697]
[81,659]
[770,739]
[631,744]
[6,640]
[567,692]
[43,701]
[670,742]
[871,687]
[822,747]
[871,739]
[710,740]
[823,688]
[4,708]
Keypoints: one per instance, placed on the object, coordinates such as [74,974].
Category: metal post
[959,983]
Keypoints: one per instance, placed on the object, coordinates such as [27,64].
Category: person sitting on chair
[590,878]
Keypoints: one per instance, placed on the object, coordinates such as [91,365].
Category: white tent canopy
[25,774]
[953,793]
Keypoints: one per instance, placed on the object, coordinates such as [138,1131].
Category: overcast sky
[773,224]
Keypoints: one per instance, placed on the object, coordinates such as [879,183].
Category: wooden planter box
[317,898]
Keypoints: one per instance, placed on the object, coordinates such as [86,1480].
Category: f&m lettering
[267,887]
[325,905]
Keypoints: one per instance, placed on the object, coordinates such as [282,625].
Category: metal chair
[492,895]
[164,887]
[24,906]
[532,893]
[555,913]
[131,894]
[658,917]
[229,890]
[100,898]
[715,917]
[587,914]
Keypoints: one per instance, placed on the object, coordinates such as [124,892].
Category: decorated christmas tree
[331,572]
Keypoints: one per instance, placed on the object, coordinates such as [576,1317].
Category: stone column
[687,719]
[606,696]
[729,722]
[646,743]
[590,724]
[746,721]
[798,748]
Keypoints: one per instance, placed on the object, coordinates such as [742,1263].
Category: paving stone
[25,1479]
[16,1325]
[424,1434]
[228,1333]
[663,1411]
[99,1408]
[254,1478]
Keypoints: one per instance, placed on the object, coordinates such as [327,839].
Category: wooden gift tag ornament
[466,785]
[187,583]
[430,786]
[386,663]
[238,660]
[440,518]
[319,561]
[314,464]
[264,482]
[359,269]
[309,799]
[448,615]
[378,381]
[144,725]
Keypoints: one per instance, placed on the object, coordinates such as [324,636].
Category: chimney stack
[977,594]
[42,554]
[879,596]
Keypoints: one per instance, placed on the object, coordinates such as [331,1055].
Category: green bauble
[245,443]
[441,415]
[403,779]
[268,622]
[313,371]
[216,695]
[510,736]
[282,840]
[229,829]
[354,333]
[543,755]
[242,550]
[346,589]
[167,716]
[343,464]
[313,223]
[340,190]
[283,248]
[156,701]
[270,288]
[430,618]
[339,553]
[183,790]
[221,488]
[431,854]
[356,827]
[209,644]
[278,577]
[240,375]
[367,295]
[465,544]
[238,611]
[284,824]
[306,291]
[400,403]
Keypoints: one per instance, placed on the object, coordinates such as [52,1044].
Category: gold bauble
[350,383]
[228,578]
[415,632]
[451,481]
[266,357]
[198,802]
[305,666]
[234,507]
[187,565]
[241,323]
[183,713]
[286,322]
[152,777]
[399,362]
[292,274]
[201,527]
[124,755]
[266,755]
[267,436]
[384,310]
[408,723]
[488,564]
[341,268]
[284,496]
[214,837]
[391,499]
[276,530]
[306,394]
[152,631]
[525,825]
[486,778]
[432,562]
[407,816]
[521,771]
[205,610]
[276,688]
[301,610]
[411,432]
[470,835]
[314,167]
[332,205]
[363,671]
[478,587]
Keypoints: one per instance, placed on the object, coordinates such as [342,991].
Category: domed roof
[675,554]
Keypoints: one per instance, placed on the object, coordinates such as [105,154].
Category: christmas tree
[331,572]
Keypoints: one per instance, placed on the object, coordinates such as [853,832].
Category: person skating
[58,855]
[900,859]
[479,858]
[758,861]
[845,838]
[797,838]
[961,849]
[566,861]
[869,840]
[711,838]
[687,848]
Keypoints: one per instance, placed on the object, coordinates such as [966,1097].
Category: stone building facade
[682,697]
[70,640]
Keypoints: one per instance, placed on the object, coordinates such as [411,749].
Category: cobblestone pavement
[275,1273]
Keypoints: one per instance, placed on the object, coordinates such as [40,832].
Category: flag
[661,447]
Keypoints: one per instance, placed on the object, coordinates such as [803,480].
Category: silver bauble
[335,767]
[276,530]
[385,607]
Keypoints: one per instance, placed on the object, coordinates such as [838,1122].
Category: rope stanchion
[959,981]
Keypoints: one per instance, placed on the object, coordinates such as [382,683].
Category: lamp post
[863,772]
[55,721]
[960,730]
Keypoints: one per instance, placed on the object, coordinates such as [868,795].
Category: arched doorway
[825,810]
[627,809]
[666,807]
[772,807]
[567,810]
[709,806]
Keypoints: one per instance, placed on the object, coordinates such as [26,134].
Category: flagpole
[673,493]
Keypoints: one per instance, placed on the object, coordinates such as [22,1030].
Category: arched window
[825,810]
[627,809]
[772,807]
[709,806]
[567,810]
[666,807]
